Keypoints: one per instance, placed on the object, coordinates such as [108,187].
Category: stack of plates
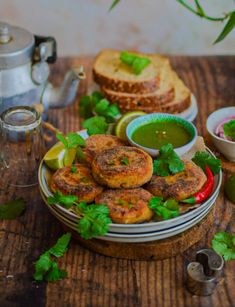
[132,233]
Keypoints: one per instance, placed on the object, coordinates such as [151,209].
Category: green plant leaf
[227,29]
[54,273]
[114,3]
[96,125]
[61,138]
[137,63]
[229,129]
[12,209]
[203,159]
[199,8]
[74,140]
[223,244]
[42,265]
[61,245]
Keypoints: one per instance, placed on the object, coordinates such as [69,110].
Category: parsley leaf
[125,161]
[203,159]
[168,162]
[166,210]
[96,125]
[136,63]
[73,169]
[229,129]
[66,200]
[71,140]
[12,209]
[46,267]
[224,244]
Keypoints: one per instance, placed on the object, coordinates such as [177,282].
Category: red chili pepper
[206,190]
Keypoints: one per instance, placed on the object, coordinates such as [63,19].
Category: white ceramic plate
[135,238]
[135,228]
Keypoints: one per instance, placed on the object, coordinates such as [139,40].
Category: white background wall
[85,26]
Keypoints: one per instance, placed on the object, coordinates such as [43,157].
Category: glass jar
[21,146]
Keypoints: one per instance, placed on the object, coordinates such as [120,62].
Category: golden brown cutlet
[122,167]
[98,142]
[127,206]
[79,183]
[179,186]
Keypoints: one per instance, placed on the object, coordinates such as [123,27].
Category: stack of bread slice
[157,89]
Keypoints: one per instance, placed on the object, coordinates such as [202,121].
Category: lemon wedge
[120,129]
[58,156]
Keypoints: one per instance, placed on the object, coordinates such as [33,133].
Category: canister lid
[16,46]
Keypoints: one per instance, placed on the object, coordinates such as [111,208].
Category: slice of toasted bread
[111,73]
[164,94]
[181,101]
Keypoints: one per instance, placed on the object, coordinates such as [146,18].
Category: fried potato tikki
[98,142]
[79,182]
[179,186]
[127,206]
[122,167]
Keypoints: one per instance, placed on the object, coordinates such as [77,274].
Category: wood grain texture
[96,280]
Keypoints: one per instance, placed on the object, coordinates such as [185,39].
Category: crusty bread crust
[110,72]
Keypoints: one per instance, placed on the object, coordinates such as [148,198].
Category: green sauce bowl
[164,118]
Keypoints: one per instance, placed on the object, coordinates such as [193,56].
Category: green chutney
[156,134]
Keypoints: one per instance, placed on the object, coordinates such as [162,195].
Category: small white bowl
[153,117]
[226,147]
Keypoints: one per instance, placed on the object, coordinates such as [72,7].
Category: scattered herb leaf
[12,209]
[137,63]
[96,125]
[125,161]
[224,244]
[66,200]
[45,267]
[73,169]
[168,162]
[229,129]
[165,209]
[71,140]
[203,159]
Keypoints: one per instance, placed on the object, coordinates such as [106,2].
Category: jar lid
[16,46]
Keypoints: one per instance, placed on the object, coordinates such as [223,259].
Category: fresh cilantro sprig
[165,209]
[71,140]
[12,209]
[168,162]
[203,159]
[46,267]
[96,125]
[229,129]
[94,219]
[224,244]
[137,63]
[98,113]
[125,161]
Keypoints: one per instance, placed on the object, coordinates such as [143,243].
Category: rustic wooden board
[96,280]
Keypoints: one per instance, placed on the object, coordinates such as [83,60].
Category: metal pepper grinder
[203,275]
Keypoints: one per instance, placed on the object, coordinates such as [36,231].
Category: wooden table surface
[95,280]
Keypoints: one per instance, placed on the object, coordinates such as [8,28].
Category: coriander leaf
[101,107]
[168,162]
[73,169]
[166,210]
[114,3]
[136,62]
[42,265]
[80,154]
[96,125]
[61,245]
[229,129]
[112,113]
[223,244]
[55,273]
[85,107]
[74,140]
[97,209]
[66,200]
[125,161]
[61,138]
[12,209]
[96,97]
[227,29]
[203,159]
[140,64]
[84,228]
